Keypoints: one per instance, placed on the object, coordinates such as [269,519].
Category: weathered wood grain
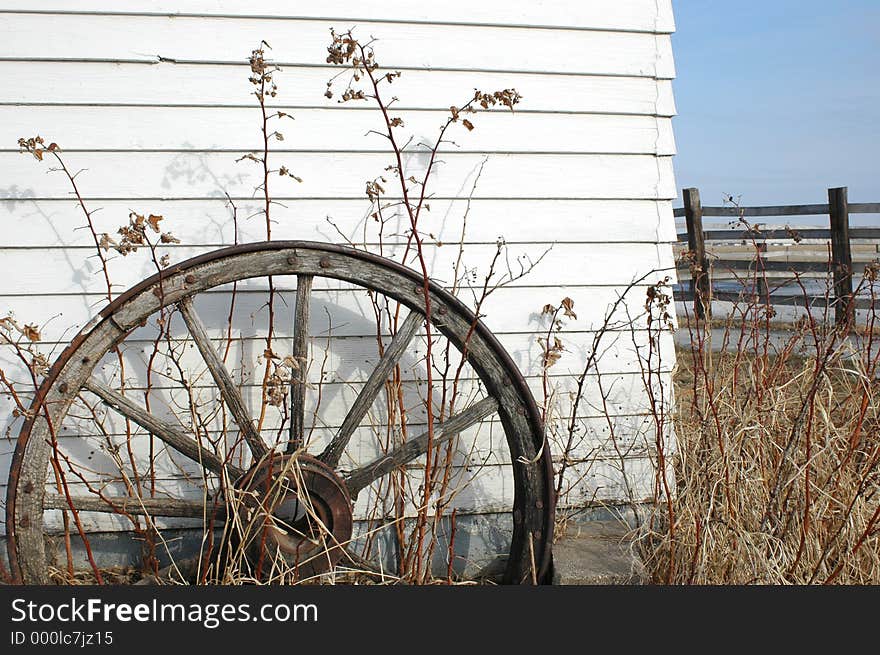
[184,445]
[720,266]
[841,256]
[136,506]
[225,383]
[416,447]
[701,283]
[26,490]
[782,299]
[784,210]
[300,354]
[390,358]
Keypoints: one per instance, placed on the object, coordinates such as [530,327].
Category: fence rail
[805,252]
[783,210]
[778,234]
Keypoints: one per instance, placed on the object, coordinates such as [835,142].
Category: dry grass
[777,462]
[119,575]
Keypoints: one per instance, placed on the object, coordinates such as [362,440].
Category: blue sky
[778,99]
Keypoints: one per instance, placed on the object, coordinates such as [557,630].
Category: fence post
[761,273]
[701,284]
[841,255]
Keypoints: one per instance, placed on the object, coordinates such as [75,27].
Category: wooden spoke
[221,376]
[300,356]
[333,452]
[167,433]
[135,506]
[415,448]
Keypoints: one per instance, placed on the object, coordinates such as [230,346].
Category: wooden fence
[751,253]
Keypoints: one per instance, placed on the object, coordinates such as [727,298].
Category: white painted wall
[151,99]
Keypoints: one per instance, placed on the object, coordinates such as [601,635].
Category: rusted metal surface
[299,507]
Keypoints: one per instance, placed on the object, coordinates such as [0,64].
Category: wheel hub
[297,508]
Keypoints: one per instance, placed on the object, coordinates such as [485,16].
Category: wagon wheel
[319,482]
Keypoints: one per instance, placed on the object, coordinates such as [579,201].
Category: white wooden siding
[108,83]
[625,15]
[177,129]
[52,222]
[98,37]
[151,98]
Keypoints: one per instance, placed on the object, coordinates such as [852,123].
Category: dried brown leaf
[153,220]
[31,332]
[106,242]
